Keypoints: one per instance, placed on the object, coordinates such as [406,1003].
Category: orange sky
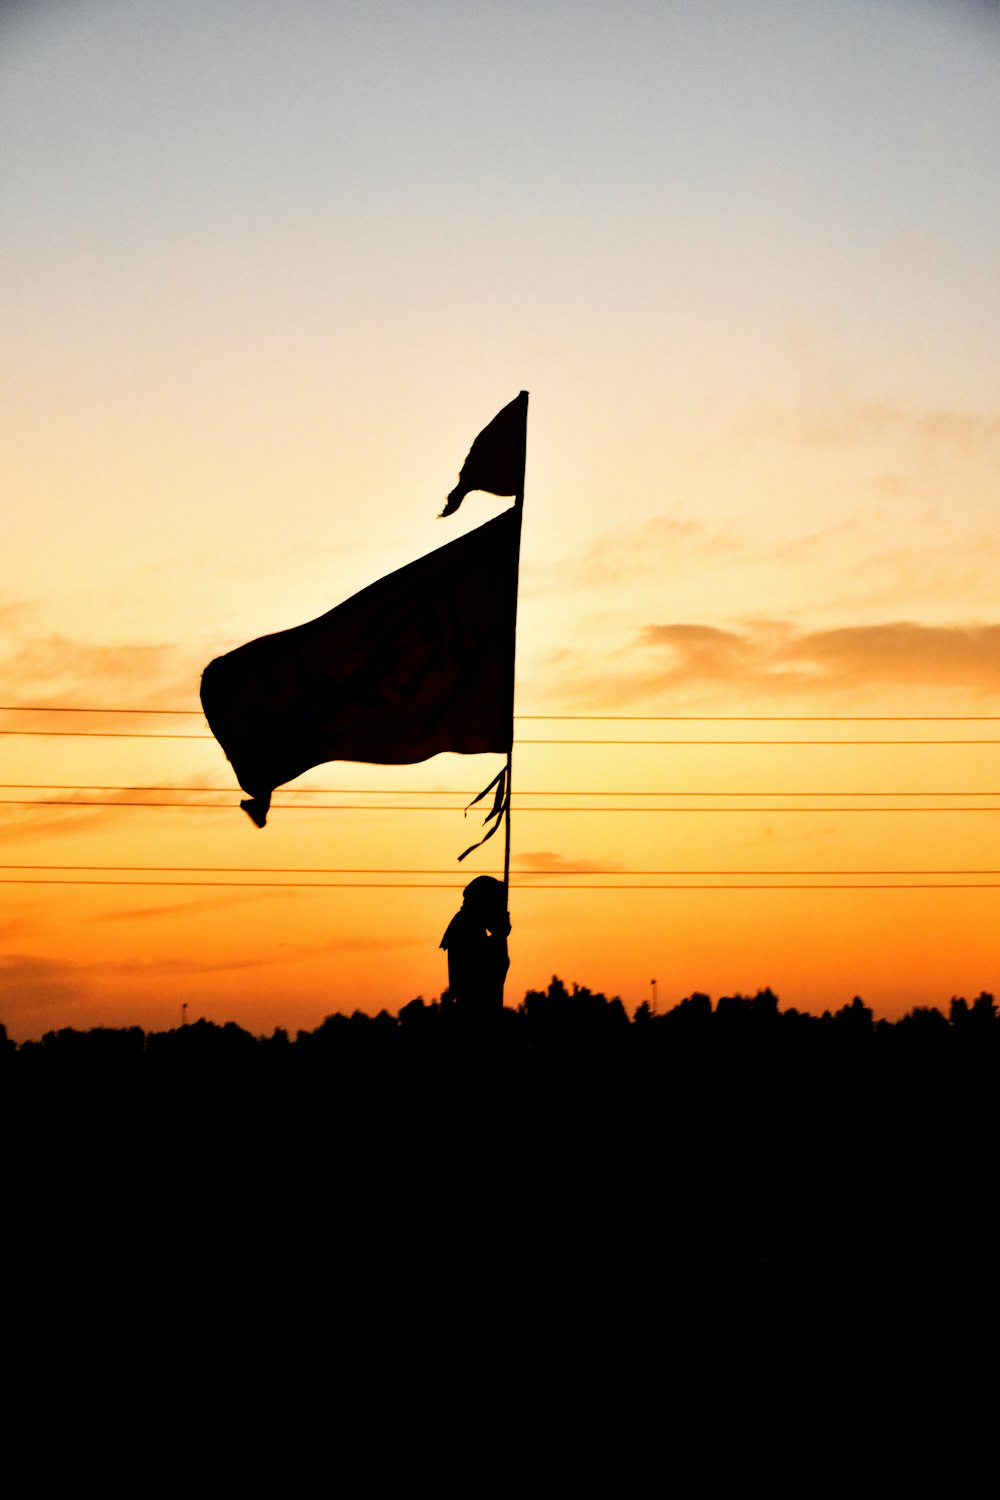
[265,284]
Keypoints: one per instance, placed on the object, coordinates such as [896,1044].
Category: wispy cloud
[771,658]
[274,955]
[55,671]
[188,965]
[370,945]
[837,419]
[55,665]
[191,903]
[660,544]
[961,431]
[790,834]
[25,825]
[774,655]
[29,983]
[15,928]
[544,862]
[14,613]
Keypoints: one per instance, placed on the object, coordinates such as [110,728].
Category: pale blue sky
[280,261]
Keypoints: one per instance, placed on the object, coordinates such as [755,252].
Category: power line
[459,885]
[100,734]
[380,870]
[376,791]
[128,734]
[747,742]
[49,708]
[56,708]
[765,718]
[426,807]
[364,870]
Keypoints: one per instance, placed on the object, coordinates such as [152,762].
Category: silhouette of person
[476,944]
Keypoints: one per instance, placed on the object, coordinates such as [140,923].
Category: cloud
[174,966]
[845,421]
[14,613]
[773,655]
[700,651]
[659,544]
[192,904]
[369,945]
[692,664]
[56,663]
[788,834]
[904,652]
[545,863]
[35,824]
[29,983]
[39,823]
[39,994]
[272,956]
[56,671]
[16,927]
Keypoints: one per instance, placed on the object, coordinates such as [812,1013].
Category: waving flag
[496,459]
[419,662]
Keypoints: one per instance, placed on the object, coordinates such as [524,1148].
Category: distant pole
[653,983]
[519,508]
[184,1012]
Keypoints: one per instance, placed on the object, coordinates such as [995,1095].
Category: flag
[496,459]
[419,662]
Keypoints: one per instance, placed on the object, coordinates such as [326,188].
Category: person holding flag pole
[476,938]
[419,662]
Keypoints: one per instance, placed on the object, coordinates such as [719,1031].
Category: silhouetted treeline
[728,1139]
[551,1019]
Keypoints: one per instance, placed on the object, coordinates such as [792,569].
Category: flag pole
[519,508]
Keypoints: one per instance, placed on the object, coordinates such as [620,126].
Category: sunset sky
[268,268]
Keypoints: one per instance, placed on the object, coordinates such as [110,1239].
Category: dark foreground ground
[759,1144]
[729,1238]
[508,1233]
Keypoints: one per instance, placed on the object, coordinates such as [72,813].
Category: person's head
[484,898]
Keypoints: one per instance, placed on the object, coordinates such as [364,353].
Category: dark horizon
[739,1145]
[562,1008]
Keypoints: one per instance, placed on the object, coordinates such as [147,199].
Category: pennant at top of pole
[495,462]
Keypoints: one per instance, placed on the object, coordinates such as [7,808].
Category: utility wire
[128,734]
[765,718]
[747,742]
[517,885]
[426,807]
[375,791]
[101,734]
[48,708]
[527,874]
